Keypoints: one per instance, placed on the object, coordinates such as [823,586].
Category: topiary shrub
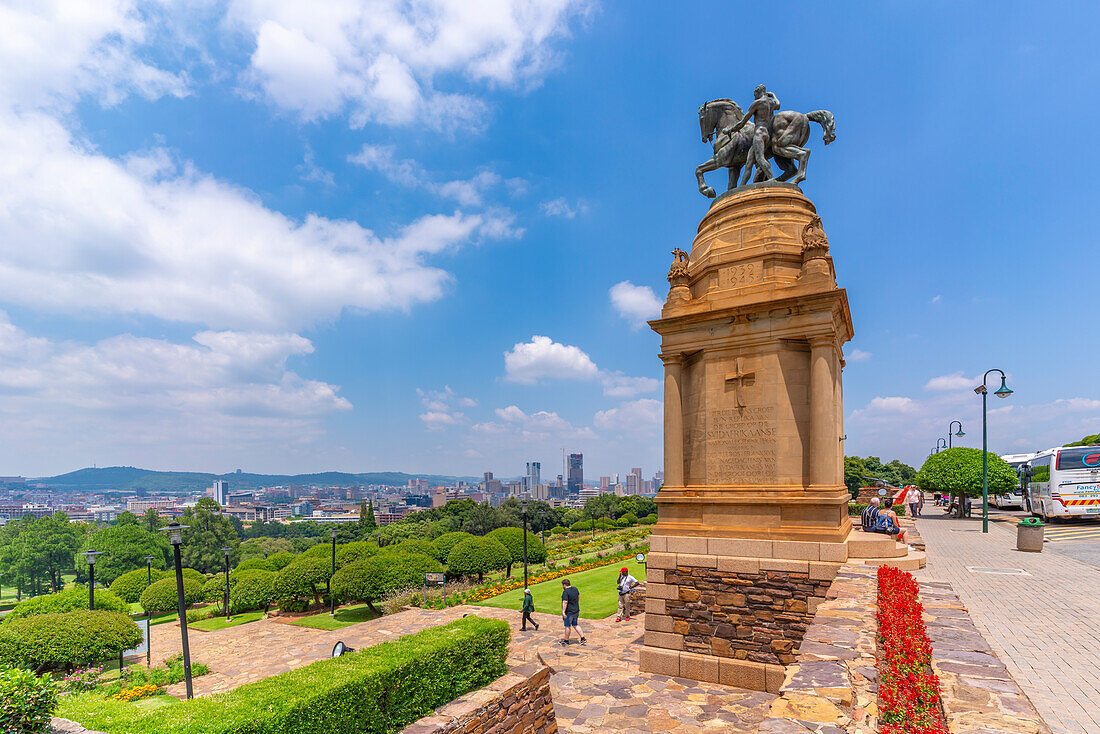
[512,539]
[559,530]
[26,702]
[321,550]
[254,564]
[650,519]
[372,578]
[74,597]
[69,638]
[279,561]
[352,552]
[302,579]
[444,543]
[190,573]
[478,556]
[161,596]
[415,545]
[628,519]
[253,590]
[129,586]
[214,589]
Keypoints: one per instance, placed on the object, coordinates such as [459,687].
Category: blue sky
[418,236]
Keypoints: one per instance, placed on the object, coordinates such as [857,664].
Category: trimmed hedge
[252,590]
[255,564]
[512,539]
[67,600]
[379,689]
[301,579]
[26,702]
[855,508]
[444,543]
[161,596]
[190,573]
[129,585]
[477,555]
[214,589]
[76,638]
[374,577]
[650,519]
[415,545]
[352,552]
[279,561]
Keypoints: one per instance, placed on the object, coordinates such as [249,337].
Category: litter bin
[1029,535]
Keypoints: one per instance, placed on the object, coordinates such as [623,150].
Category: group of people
[874,519]
[571,606]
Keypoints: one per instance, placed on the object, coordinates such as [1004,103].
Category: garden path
[596,687]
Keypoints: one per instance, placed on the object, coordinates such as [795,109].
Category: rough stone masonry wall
[517,703]
[731,620]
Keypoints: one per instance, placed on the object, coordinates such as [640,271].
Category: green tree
[124,548]
[207,533]
[126,518]
[854,471]
[302,579]
[512,539]
[602,505]
[150,520]
[479,556]
[447,541]
[1087,441]
[367,523]
[483,518]
[958,472]
[35,552]
[370,579]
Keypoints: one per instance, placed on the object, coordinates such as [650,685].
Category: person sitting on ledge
[875,520]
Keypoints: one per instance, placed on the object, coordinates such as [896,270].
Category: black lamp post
[960,434]
[1002,392]
[941,444]
[91,555]
[148,615]
[523,510]
[227,550]
[331,595]
[175,537]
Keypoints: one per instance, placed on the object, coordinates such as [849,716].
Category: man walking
[528,608]
[570,610]
[626,585]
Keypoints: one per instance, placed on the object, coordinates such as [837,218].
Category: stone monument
[753,521]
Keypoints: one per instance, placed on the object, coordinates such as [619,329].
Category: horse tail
[828,124]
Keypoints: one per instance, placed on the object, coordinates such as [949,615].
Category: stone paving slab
[1042,625]
[596,687]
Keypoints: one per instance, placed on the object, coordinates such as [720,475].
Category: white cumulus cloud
[857,355]
[644,415]
[382,60]
[543,358]
[954,381]
[635,303]
[561,208]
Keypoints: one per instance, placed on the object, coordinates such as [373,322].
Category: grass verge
[345,617]
[599,596]
[218,623]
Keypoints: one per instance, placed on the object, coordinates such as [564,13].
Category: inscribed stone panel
[742,446]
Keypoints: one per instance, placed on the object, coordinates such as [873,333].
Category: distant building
[220,492]
[634,481]
[139,506]
[534,471]
[301,509]
[605,483]
[575,481]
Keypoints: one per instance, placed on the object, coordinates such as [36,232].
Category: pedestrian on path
[570,611]
[626,586]
[528,608]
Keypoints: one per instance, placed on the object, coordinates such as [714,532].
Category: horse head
[716,114]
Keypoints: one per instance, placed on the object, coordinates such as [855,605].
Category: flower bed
[487,592]
[909,694]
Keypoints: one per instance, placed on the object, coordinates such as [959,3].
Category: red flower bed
[909,695]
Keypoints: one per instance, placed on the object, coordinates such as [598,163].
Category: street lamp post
[960,434]
[1002,392]
[331,595]
[940,444]
[523,507]
[91,555]
[175,537]
[227,550]
[148,615]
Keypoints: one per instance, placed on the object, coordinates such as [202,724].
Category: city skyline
[439,256]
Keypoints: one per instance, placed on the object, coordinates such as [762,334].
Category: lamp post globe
[960,432]
[1002,392]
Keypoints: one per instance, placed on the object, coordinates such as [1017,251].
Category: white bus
[1064,482]
[1015,498]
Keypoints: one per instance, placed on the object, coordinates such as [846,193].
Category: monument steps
[874,545]
[911,561]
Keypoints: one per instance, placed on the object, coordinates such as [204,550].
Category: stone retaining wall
[517,703]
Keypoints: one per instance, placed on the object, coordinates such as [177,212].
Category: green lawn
[218,623]
[345,617]
[599,597]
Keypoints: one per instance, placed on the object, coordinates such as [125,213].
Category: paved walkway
[596,688]
[1044,623]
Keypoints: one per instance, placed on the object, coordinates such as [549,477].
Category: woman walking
[528,608]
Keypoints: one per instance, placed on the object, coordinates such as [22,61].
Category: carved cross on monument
[739,377]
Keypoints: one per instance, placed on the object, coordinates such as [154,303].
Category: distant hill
[131,478]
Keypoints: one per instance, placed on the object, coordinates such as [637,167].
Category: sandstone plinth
[753,514]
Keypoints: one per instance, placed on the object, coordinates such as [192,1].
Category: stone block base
[734,620]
